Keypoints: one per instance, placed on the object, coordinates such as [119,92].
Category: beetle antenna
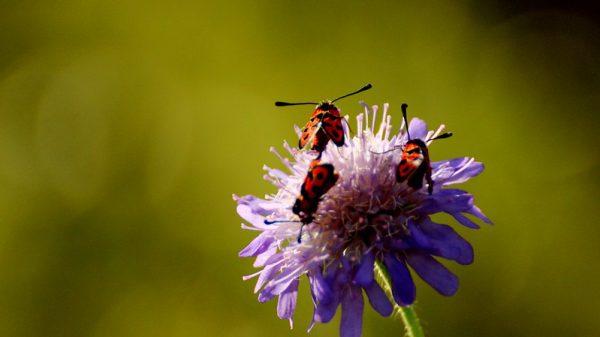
[442,136]
[404,106]
[366,87]
[278,103]
[390,150]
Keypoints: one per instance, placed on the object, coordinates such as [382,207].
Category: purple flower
[366,218]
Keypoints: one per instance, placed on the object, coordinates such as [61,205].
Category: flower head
[367,217]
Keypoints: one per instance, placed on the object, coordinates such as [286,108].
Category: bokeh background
[125,127]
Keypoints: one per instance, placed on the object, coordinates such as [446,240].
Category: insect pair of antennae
[366,87]
[404,106]
[270,222]
[442,136]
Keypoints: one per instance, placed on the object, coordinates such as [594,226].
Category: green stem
[408,314]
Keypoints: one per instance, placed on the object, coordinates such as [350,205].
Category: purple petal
[454,163]
[456,170]
[417,129]
[287,302]
[267,274]
[478,213]
[352,312]
[325,298]
[440,240]
[433,272]
[449,200]
[403,287]
[341,273]
[453,201]
[259,245]
[337,278]
[324,312]
[320,289]
[263,258]
[249,215]
[274,258]
[257,205]
[378,299]
[280,283]
[464,220]
[435,203]
[465,173]
[364,273]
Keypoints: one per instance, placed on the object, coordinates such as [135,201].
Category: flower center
[354,230]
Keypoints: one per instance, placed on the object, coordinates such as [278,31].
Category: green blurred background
[126,126]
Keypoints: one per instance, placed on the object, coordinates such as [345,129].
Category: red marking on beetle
[319,179]
[415,164]
[324,124]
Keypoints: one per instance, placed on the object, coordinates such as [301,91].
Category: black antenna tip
[366,87]
[442,136]
[404,106]
[278,103]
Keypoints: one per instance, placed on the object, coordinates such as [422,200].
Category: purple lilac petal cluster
[367,217]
